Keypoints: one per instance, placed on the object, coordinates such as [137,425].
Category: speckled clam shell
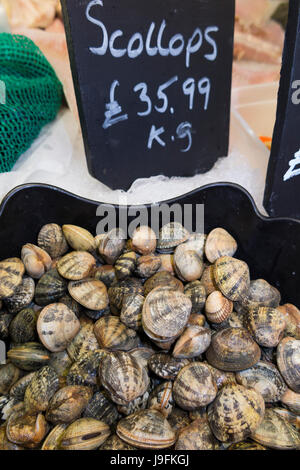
[139,403]
[197,294]
[85,370]
[57,325]
[264,378]
[76,265]
[41,389]
[179,419]
[221,377]
[146,429]
[162,279]
[276,433]
[260,294]
[292,319]
[161,398]
[144,240]
[106,274]
[111,245]
[236,320]
[131,313]
[68,403]
[187,263]
[165,312]
[236,413]
[194,341]
[232,277]
[8,405]
[79,238]
[217,307]
[22,296]
[27,430]
[61,363]
[170,236]
[119,289]
[18,389]
[72,304]
[166,366]
[36,260]
[196,319]
[266,325]
[29,356]
[142,355]
[233,349]
[9,374]
[194,386]
[5,321]
[11,274]
[246,445]
[196,436]
[84,434]
[53,439]
[208,279]
[5,444]
[112,334]
[101,408]
[288,362]
[125,265]
[291,400]
[115,443]
[123,377]
[52,240]
[84,341]
[22,328]
[90,293]
[50,288]
[219,243]
[147,266]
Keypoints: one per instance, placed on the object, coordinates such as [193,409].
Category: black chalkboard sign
[282,194]
[152,81]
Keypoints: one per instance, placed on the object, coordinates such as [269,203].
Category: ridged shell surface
[90,293]
[76,265]
[288,362]
[232,277]
[11,273]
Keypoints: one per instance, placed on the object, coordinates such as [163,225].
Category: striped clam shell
[170,236]
[194,341]
[76,265]
[90,293]
[142,355]
[115,443]
[146,429]
[260,294]
[194,386]
[68,403]
[125,265]
[22,328]
[41,389]
[29,356]
[147,265]
[265,378]
[119,289]
[217,307]
[84,434]
[106,274]
[111,245]
[84,341]
[85,370]
[61,363]
[219,243]
[162,279]
[27,430]
[197,294]
[131,313]
[165,313]
[233,349]
[266,325]
[161,399]
[276,432]
[101,408]
[123,377]
[5,444]
[139,403]
[79,238]
[221,377]
[144,240]
[50,288]
[9,374]
[52,441]
[36,260]
[236,413]
[291,400]
[292,319]
[11,274]
[57,325]
[18,389]
[196,436]
[5,320]
[22,296]
[208,279]
[52,240]
[166,366]
[232,277]
[179,419]
[114,335]
[288,362]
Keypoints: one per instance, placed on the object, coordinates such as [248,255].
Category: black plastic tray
[271,247]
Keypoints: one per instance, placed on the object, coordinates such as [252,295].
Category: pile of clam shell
[144,343]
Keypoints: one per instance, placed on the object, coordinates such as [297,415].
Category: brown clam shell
[90,293]
[114,335]
[84,341]
[260,294]
[27,430]
[291,400]
[52,240]
[194,386]
[170,236]
[288,361]
[217,307]
[147,265]
[29,356]
[142,355]
[11,274]
[9,374]
[219,243]
[194,341]
[162,279]
[76,265]
[292,319]
[5,444]
[22,328]
[119,289]
[236,413]
[146,429]
[179,419]
[167,263]
[50,288]
[276,432]
[18,389]
[246,445]
[106,274]
[166,366]
[197,294]
[84,434]
[266,325]
[208,279]
[188,264]
[57,325]
[100,407]
[68,403]
[233,349]
[196,436]
[85,370]
[232,277]
[125,264]
[221,377]
[79,238]
[111,245]
[115,443]
[265,378]
[144,240]
[36,260]
[131,313]
[41,389]
[52,441]
[22,296]
[161,398]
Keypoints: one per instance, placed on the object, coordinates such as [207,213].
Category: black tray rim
[174,200]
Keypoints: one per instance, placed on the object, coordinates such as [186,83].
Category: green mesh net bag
[30,96]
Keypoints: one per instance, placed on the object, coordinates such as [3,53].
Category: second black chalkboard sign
[152,81]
